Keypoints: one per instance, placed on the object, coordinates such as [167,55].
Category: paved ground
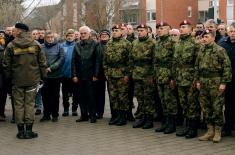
[67,137]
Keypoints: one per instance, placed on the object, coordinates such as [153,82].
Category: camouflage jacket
[184,57]
[116,58]
[213,61]
[163,56]
[141,58]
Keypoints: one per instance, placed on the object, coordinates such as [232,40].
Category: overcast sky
[43,2]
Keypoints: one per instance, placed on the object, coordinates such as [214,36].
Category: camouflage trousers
[118,93]
[168,99]
[212,102]
[189,102]
[144,92]
[24,100]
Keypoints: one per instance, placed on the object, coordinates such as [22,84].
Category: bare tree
[11,11]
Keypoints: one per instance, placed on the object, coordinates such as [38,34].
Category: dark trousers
[99,91]
[69,87]
[3,97]
[229,112]
[50,97]
[86,95]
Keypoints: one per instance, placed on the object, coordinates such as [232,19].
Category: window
[151,15]
[230,2]
[189,11]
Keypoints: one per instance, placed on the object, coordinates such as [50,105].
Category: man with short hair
[212,27]
[25,65]
[222,29]
[41,33]
[85,69]
[212,73]
[68,87]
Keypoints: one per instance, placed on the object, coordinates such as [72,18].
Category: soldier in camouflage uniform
[163,73]
[116,58]
[185,53]
[213,72]
[141,68]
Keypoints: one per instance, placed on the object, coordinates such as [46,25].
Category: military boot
[183,132]
[163,125]
[192,132]
[116,119]
[170,128]
[209,135]
[139,122]
[122,120]
[217,137]
[20,133]
[29,134]
[149,122]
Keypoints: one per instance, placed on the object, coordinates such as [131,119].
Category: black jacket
[86,60]
[230,49]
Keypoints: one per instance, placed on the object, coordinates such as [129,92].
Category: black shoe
[93,120]
[82,119]
[170,127]
[20,134]
[38,112]
[45,119]
[122,120]
[139,123]
[183,132]
[55,119]
[29,134]
[65,113]
[163,125]
[192,132]
[148,123]
[226,133]
[115,119]
[74,113]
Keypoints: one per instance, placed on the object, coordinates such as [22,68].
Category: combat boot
[183,132]
[29,134]
[170,128]
[122,120]
[217,137]
[192,132]
[116,119]
[209,135]
[20,133]
[149,122]
[139,122]
[163,125]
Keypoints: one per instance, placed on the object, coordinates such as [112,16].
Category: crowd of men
[179,76]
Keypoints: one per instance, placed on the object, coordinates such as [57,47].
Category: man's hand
[75,80]
[48,70]
[222,88]
[126,79]
[94,78]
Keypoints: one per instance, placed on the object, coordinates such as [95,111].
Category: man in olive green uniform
[213,72]
[163,73]
[116,59]
[25,65]
[185,53]
[141,68]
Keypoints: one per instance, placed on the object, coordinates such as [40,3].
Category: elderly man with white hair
[85,69]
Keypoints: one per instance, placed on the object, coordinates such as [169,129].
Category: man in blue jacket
[68,87]
[229,44]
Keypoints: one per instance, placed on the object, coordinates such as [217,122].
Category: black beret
[105,31]
[162,24]
[185,22]
[22,26]
[142,26]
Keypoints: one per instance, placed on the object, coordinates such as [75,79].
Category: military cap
[185,22]
[104,31]
[70,31]
[162,24]
[116,26]
[142,26]
[123,25]
[207,32]
[22,26]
